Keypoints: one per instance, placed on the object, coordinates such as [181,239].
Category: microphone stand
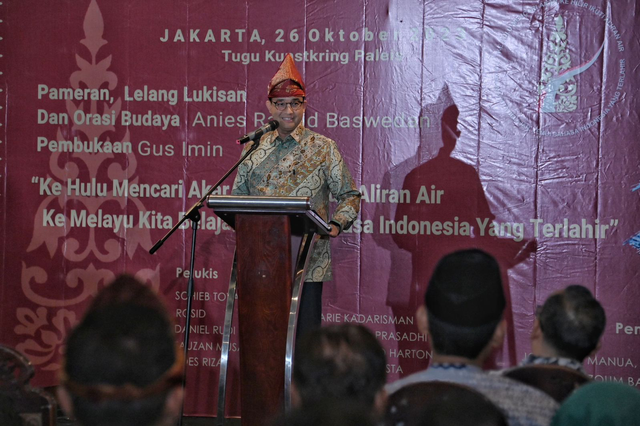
[194,215]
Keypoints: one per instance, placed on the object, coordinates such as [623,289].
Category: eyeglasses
[281,106]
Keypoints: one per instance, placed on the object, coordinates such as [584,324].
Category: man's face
[288,112]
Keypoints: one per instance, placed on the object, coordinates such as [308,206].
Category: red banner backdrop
[118,115]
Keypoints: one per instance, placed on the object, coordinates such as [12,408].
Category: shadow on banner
[448,211]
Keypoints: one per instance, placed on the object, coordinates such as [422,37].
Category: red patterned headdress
[287,82]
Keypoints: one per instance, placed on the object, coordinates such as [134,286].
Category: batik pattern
[305,164]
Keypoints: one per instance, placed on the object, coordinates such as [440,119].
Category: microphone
[256,134]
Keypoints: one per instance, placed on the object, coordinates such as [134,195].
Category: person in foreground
[295,161]
[441,404]
[600,404]
[122,365]
[327,413]
[463,319]
[340,363]
[567,329]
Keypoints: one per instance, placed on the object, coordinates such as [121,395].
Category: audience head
[340,362]
[569,324]
[464,304]
[122,367]
[600,404]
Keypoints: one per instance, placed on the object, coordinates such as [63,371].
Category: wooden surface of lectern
[268,281]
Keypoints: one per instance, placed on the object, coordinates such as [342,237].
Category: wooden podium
[269,283]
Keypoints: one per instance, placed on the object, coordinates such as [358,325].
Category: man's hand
[334,231]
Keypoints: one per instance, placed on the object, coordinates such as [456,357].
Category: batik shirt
[305,164]
[574,364]
[522,404]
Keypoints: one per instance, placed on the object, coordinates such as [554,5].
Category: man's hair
[464,341]
[572,322]
[339,362]
[465,302]
[119,359]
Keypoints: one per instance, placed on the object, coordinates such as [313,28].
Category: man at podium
[295,161]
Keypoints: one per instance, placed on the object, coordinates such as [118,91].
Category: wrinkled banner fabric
[506,125]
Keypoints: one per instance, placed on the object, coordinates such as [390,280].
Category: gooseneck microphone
[256,134]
